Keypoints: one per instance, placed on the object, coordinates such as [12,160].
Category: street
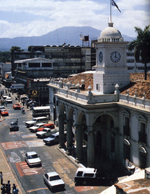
[16,144]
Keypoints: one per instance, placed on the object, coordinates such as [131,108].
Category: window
[46,65]
[97,87]
[126,128]
[142,133]
[142,157]
[34,64]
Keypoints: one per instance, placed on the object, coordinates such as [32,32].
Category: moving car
[53,181]
[32,159]
[35,127]
[17,106]
[2,107]
[46,132]
[8,100]
[47,125]
[36,120]
[14,126]
[4,112]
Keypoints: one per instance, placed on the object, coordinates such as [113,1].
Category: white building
[105,122]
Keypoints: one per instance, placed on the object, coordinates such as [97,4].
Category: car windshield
[53,178]
[33,119]
[52,136]
[45,130]
[33,156]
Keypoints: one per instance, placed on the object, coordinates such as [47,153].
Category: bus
[41,111]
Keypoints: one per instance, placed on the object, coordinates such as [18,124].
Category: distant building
[34,73]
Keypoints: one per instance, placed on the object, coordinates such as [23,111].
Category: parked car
[91,176]
[14,126]
[52,139]
[17,106]
[8,100]
[53,181]
[35,127]
[36,120]
[4,112]
[47,125]
[46,132]
[32,159]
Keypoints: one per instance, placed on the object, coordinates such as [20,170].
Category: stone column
[69,136]
[61,131]
[90,148]
[79,150]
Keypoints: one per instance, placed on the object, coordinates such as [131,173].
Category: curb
[21,190]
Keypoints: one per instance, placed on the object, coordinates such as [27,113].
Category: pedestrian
[3,189]
[6,103]
[13,187]
[17,121]
[8,187]
[15,191]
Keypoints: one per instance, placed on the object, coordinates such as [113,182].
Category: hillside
[69,35]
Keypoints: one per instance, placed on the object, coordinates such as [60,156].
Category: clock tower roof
[110,34]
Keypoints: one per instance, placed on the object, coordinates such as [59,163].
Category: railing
[90,98]
[135,101]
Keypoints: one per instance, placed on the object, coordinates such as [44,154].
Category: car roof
[31,153]
[52,173]
[47,124]
[87,170]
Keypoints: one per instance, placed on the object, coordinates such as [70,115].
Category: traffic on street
[33,160]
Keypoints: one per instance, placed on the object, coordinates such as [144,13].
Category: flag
[114,4]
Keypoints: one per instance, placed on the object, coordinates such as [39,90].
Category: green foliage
[141,46]
[5,56]
[15,48]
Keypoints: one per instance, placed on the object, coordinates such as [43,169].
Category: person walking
[3,189]
[15,191]
[13,187]
[8,187]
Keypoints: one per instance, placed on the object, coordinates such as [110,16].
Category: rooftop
[137,84]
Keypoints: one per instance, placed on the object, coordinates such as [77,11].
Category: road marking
[14,158]
[36,143]
[63,174]
[13,145]
[39,189]
[24,169]
[84,188]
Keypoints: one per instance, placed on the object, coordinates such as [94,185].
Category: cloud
[48,15]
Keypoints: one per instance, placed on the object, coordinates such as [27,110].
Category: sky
[38,17]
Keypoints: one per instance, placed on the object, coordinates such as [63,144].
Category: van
[37,120]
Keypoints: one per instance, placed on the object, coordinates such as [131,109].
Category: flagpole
[110,10]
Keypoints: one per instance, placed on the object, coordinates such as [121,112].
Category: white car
[8,100]
[35,127]
[53,181]
[46,132]
[32,159]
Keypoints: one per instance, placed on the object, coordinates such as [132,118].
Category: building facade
[103,121]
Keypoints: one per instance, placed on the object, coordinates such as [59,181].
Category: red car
[4,112]
[47,125]
[17,106]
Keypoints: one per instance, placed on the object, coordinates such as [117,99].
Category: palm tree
[141,47]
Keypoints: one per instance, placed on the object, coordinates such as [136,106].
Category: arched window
[142,157]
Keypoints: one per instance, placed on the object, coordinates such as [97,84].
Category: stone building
[104,122]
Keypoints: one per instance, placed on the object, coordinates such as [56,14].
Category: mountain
[68,35]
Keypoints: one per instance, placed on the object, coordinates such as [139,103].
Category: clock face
[100,56]
[115,56]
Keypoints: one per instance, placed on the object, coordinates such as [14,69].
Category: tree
[141,47]
[15,48]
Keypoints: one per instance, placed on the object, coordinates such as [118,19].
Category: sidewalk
[7,173]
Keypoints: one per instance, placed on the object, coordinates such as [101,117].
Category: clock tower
[111,67]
